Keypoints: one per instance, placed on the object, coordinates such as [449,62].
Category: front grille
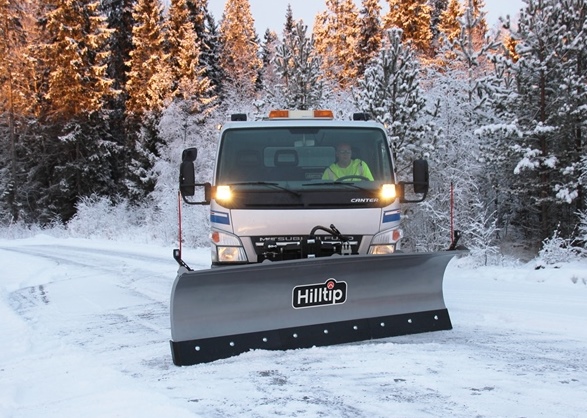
[278,248]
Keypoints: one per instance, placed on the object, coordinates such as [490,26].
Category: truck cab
[270,199]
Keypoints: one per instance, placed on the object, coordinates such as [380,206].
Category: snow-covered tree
[270,93]
[188,78]
[149,89]
[239,56]
[120,23]
[299,68]
[288,27]
[391,93]
[178,130]
[15,97]
[75,58]
[482,232]
[149,81]
[437,8]
[457,103]
[476,21]
[14,23]
[370,33]
[449,25]
[70,151]
[413,17]
[198,12]
[208,40]
[570,187]
[472,45]
[336,36]
[543,97]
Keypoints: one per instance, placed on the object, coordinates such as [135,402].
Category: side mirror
[421,176]
[187,178]
[189,155]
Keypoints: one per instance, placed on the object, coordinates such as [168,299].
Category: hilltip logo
[320,294]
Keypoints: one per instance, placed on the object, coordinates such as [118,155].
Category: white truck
[269,191]
[306,248]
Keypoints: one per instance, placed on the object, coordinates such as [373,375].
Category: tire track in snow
[123,299]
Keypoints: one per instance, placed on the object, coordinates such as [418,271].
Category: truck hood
[364,221]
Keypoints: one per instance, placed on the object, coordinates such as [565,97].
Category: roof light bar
[301,114]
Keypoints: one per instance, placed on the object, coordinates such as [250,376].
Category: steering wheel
[353,176]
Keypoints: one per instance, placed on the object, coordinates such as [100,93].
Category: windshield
[300,158]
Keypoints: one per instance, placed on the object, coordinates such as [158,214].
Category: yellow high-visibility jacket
[356,167]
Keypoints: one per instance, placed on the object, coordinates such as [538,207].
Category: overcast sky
[271,13]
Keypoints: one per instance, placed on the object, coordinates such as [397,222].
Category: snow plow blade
[222,312]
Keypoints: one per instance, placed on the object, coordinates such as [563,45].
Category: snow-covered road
[85,328]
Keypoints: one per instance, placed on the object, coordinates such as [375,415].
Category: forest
[99,98]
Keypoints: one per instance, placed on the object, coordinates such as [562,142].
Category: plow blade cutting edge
[222,312]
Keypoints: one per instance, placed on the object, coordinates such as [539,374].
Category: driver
[345,166]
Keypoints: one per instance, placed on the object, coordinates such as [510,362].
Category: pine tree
[543,96]
[149,81]
[239,57]
[474,30]
[191,87]
[281,63]
[459,91]
[370,33]
[413,18]
[182,51]
[437,8]
[271,95]
[468,50]
[573,113]
[510,45]
[208,40]
[120,22]
[14,99]
[477,8]
[336,36]
[72,133]
[198,11]
[391,93]
[449,25]
[76,58]
[299,68]
[289,26]
[149,89]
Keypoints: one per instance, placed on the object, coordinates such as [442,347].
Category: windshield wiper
[265,183]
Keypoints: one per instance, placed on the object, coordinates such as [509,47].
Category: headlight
[382,249]
[223,193]
[385,242]
[227,248]
[231,255]
[388,192]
